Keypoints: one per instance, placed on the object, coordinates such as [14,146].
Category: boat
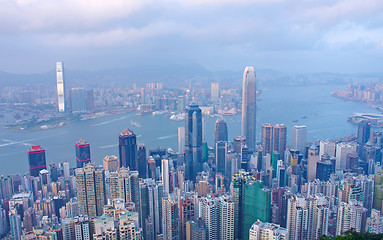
[134,123]
[177,117]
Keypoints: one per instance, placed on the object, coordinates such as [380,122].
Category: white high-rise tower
[60,86]
[249,107]
[299,138]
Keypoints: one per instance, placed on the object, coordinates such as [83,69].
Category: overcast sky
[298,36]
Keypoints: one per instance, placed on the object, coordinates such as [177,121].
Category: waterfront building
[193,142]
[214,92]
[364,130]
[78,100]
[91,192]
[181,140]
[142,161]
[36,160]
[82,153]
[249,107]
[110,163]
[220,133]
[299,138]
[128,149]
[342,150]
[267,231]
[60,86]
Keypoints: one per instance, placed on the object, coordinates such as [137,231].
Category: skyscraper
[165,175]
[37,161]
[220,156]
[274,139]
[78,100]
[181,140]
[91,192]
[364,129]
[249,107]
[171,218]
[193,142]
[128,149]
[82,153]
[299,138]
[142,161]
[342,150]
[214,92]
[221,130]
[60,86]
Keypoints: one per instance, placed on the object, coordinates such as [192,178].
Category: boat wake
[165,137]
[109,146]
[107,122]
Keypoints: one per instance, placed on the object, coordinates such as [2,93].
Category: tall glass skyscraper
[249,107]
[193,142]
[128,149]
[221,130]
[82,153]
[60,86]
[37,161]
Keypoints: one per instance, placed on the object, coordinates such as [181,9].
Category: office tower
[171,219]
[110,163]
[36,159]
[342,150]
[60,86]
[78,100]
[307,218]
[151,168]
[165,175]
[238,142]
[65,167]
[279,139]
[312,160]
[351,215]
[151,208]
[324,170]
[193,142]
[89,100]
[220,130]
[214,92]
[257,205]
[249,107]
[128,149]
[364,129]
[267,231]
[327,147]
[220,156]
[82,153]
[299,138]
[181,140]
[274,139]
[54,172]
[142,161]
[91,193]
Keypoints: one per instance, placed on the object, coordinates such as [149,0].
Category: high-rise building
[274,139]
[181,140]
[299,138]
[220,130]
[267,231]
[342,150]
[226,221]
[82,153]
[187,214]
[78,100]
[60,86]
[364,130]
[351,215]
[128,149]
[193,142]
[214,92]
[196,230]
[110,163]
[170,219]
[90,100]
[220,156]
[257,205]
[91,192]
[238,194]
[36,159]
[249,107]
[142,161]
[307,218]
[327,147]
[165,175]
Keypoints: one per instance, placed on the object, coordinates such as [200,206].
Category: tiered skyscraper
[37,161]
[128,149]
[193,142]
[60,86]
[82,153]
[249,107]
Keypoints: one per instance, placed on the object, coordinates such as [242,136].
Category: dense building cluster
[239,189]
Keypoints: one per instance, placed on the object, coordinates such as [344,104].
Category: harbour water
[325,117]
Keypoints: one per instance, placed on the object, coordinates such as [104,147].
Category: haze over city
[344,36]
